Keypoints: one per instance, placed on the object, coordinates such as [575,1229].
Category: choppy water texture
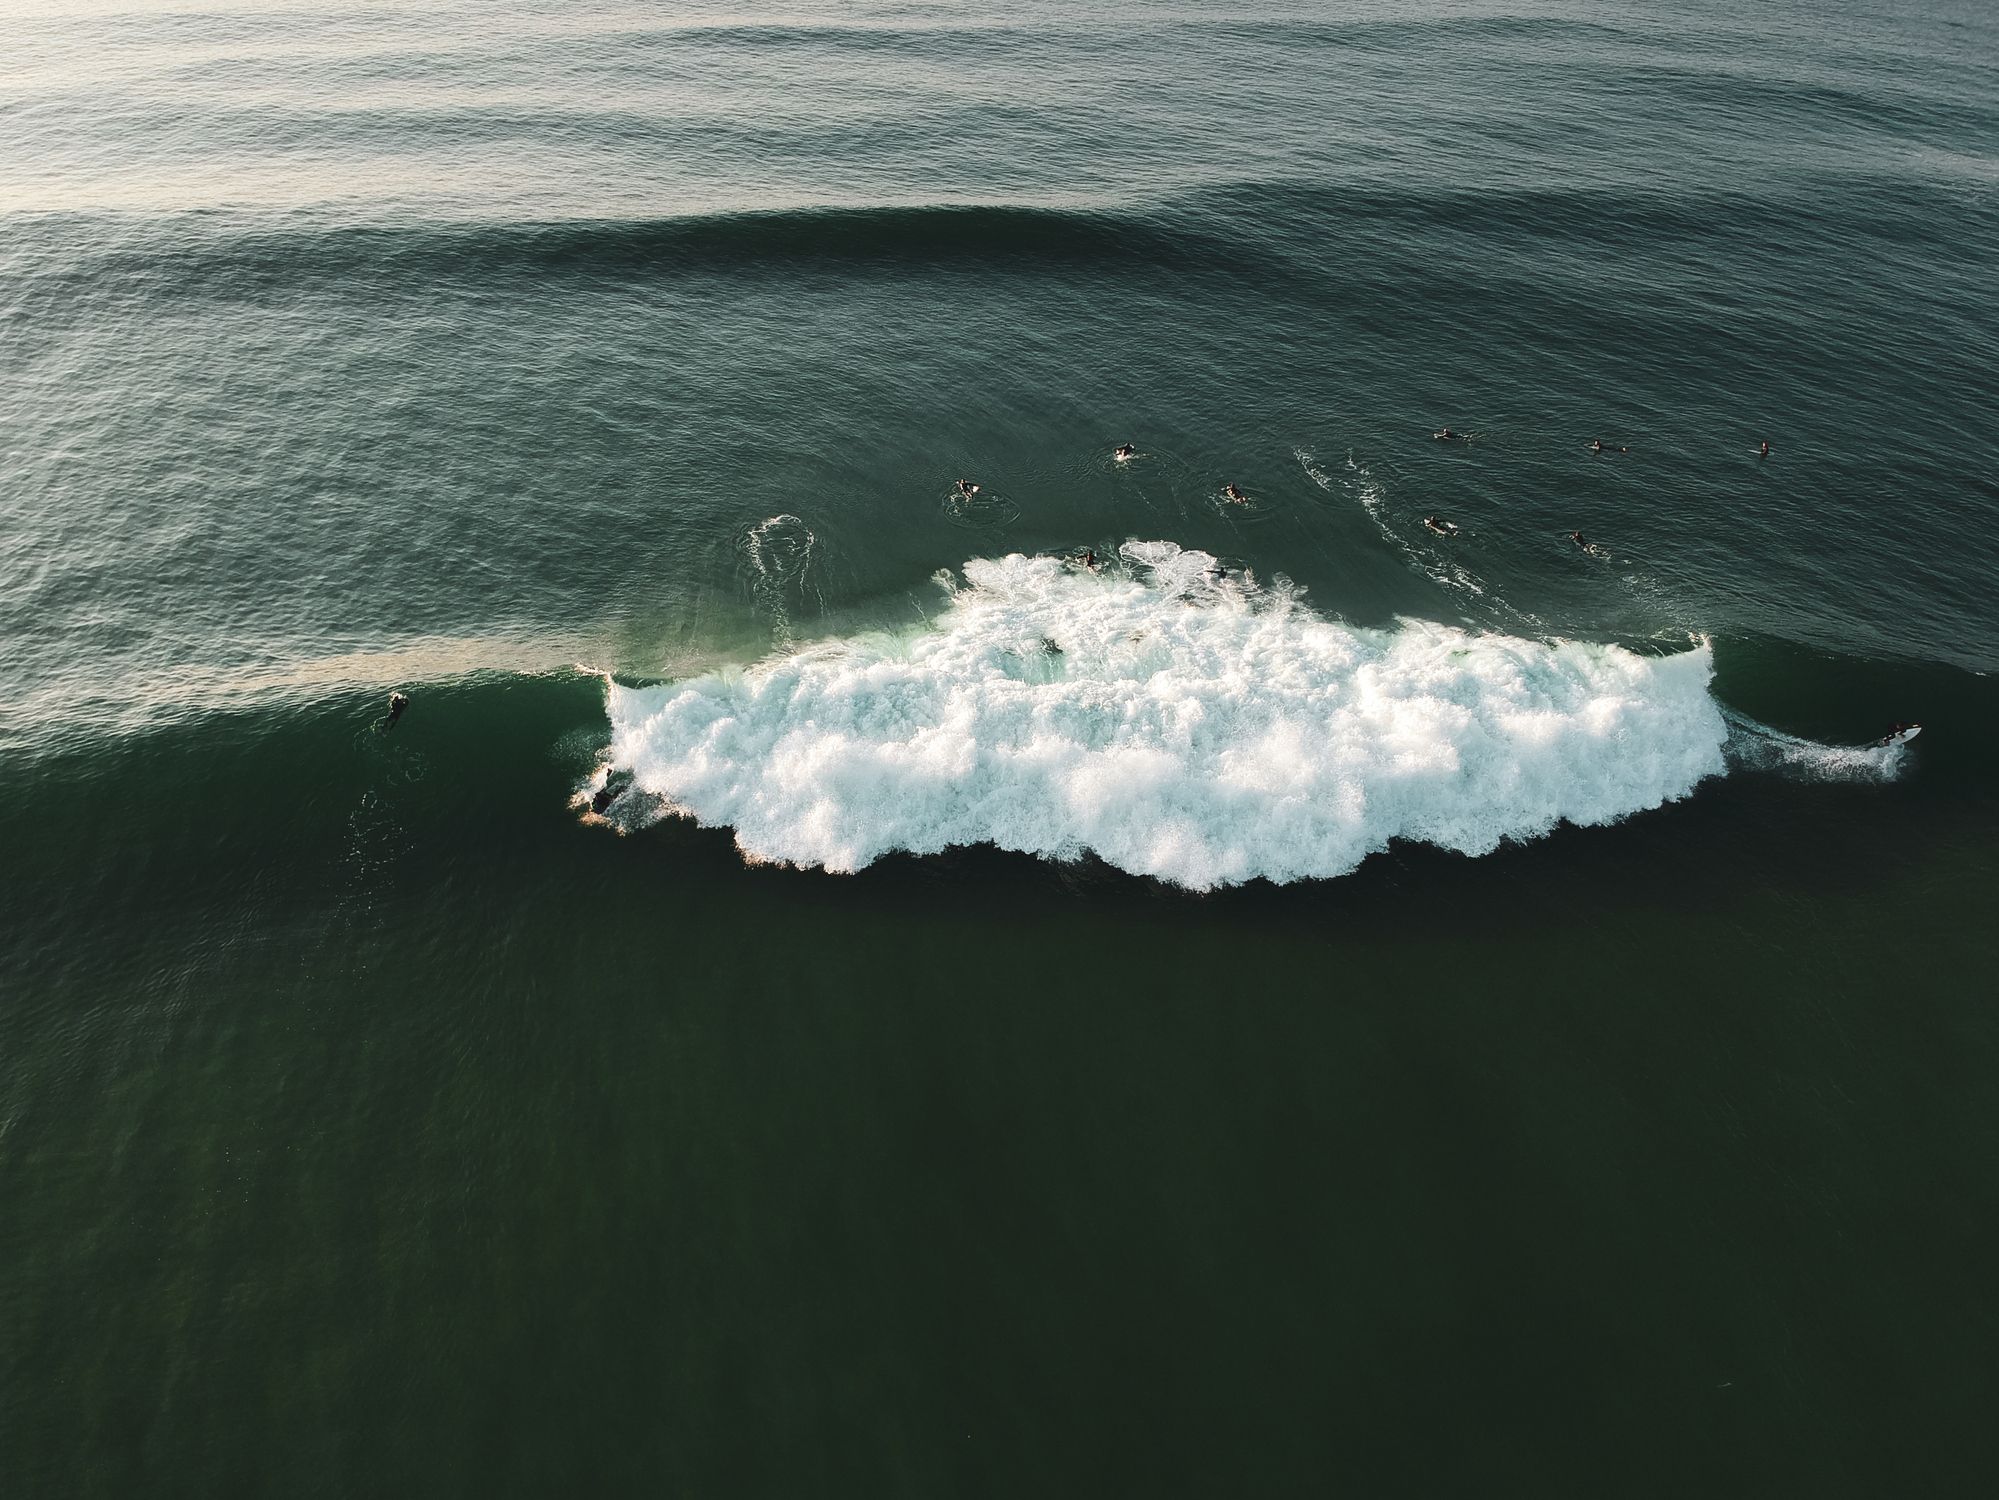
[1317,1001]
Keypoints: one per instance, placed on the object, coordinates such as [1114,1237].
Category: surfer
[1439,525]
[967,488]
[1581,541]
[616,784]
[398,702]
[1234,495]
[1765,452]
[1597,445]
[1124,453]
[1090,558]
[1899,733]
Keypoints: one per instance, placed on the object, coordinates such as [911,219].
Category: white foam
[1174,721]
[1758,747]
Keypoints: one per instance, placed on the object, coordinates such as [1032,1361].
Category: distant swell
[1274,230]
[204,254]
[973,232]
[1172,721]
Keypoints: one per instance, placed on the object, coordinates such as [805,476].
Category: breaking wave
[1171,718]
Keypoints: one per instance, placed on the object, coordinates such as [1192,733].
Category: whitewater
[1174,719]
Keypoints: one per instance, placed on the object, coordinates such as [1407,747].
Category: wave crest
[198,254]
[1172,719]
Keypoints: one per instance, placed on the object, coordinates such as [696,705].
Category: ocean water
[837,985]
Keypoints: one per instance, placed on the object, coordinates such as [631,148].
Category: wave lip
[1174,721]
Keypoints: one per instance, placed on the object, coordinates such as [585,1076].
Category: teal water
[1309,1004]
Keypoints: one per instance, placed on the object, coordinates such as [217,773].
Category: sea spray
[1173,719]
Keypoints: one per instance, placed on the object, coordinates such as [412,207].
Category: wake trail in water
[1758,747]
[1432,561]
[1172,719]
[779,550]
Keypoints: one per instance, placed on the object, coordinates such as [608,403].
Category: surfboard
[1905,736]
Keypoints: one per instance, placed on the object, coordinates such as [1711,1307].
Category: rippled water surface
[844,982]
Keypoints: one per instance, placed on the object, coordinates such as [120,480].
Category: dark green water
[374,1122]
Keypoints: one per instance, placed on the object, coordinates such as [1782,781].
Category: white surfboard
[1905,736]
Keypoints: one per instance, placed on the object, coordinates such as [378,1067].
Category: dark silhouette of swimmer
[1234,495]
[1439,525]
[615,786]
[1444,435]
[1124,451]
[1597,445]
[398,703]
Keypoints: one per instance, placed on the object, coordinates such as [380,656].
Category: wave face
[1300,230]
[1175,721]
[192,255]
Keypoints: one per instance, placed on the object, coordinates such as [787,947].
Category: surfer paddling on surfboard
[1592,548]
[1234,495]
[1901,734]
[1439,525]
